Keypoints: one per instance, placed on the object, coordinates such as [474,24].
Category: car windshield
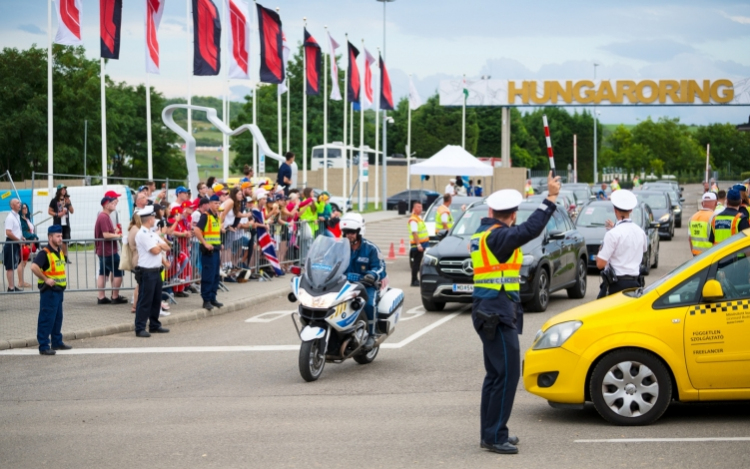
[582,195]
[332,153]
[595,215]
[432,213]
[472,219]
[655,201]
[327,261]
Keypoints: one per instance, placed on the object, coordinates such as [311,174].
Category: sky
[437,39]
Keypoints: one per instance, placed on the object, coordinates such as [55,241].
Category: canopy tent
[450,161]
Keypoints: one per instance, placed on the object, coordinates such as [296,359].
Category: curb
[174,318]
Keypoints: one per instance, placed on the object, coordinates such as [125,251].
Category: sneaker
[104,301]
[119,300]
[181,294]
[165,306]
[164,313]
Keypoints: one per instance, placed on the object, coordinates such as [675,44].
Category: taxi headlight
[429,260]
[556,335]
[664,218]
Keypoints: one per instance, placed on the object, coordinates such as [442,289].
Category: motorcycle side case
[389,310]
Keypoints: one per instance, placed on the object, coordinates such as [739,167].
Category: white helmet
[352,221]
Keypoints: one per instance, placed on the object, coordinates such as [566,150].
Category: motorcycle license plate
[462,288]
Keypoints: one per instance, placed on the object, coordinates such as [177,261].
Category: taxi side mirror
[712,291]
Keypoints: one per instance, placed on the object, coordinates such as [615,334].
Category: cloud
[31,28]
[649,50]
[737,19]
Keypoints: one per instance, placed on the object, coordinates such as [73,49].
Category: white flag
[367,94]
[239,39]
[68,22]
[154,10]
[281,88]
[414,100]
[335,90]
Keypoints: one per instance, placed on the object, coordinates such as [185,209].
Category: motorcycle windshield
[327,262]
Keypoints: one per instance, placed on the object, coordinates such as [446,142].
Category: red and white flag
[335,90]
[286,51]
[239,39]
[367,95]
[154,10]
[68,22]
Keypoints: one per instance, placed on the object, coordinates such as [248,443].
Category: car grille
[455,267]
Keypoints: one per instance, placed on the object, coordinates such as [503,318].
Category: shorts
[66,232]
[110,265]
[11,256]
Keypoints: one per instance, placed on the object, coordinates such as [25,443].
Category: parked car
[662,209]
[337,203]
[458,204]
[590,223]
[426,197]
[553,261]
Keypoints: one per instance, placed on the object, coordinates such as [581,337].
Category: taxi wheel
[630,387]
[578,290]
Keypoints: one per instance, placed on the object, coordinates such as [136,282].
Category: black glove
[368,279]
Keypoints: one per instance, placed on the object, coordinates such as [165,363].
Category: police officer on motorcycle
[366,266]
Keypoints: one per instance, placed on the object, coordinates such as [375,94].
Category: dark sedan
[663,211]
[591,224]
[426,197]
[553,261]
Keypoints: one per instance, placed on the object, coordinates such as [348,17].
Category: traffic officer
[419,240]
[698,225]
[623,247]
[744,201]
[528,191]
[444,217]
[730,221]
[208,233]
[615,186]
[496,314]
[49,267]
[721,201]
[148,274]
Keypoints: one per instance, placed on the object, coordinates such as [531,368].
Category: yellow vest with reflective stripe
[441,210]
[698,227]
[491,274]
[56,269]
[529,190]
[212,230]
[722,233]
[422,233]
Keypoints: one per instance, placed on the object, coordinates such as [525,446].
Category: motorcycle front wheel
[311,360]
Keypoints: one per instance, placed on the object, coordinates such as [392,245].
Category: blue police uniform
[50,301]
[367,260]
[501,353]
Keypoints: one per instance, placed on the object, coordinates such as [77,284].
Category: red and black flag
[386,92]
[352,93]
[110,25]
[271,46]
[207,42]
[312,60]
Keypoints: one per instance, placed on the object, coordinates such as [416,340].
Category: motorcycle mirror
[296,270]
[292,298]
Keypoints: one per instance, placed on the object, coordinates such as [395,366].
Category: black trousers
[149,301]
[502,363]
[415,261]
[617,287]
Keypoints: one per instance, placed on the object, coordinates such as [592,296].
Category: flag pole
[304,109]
[190,70]
[408,146]
[288,116]
[149,149]
[377,144]
[278,107]
[344,150]
[255,106]
[361,133]
[325,115]
[463,116]
[50,158]
[351,145]
[225,103]
[104,123]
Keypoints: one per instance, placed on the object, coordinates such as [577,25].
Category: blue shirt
[477,191]
[366,260]
[285,171]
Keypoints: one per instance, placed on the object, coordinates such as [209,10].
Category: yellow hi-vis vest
[212,230]
[56,269]
[422,233]
[698,227]
[529,190]
[439,222]
[491,274]
[728,226]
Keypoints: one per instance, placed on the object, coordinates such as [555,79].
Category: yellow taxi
[685,337]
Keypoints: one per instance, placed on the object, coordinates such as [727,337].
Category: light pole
[595,169]
[385,120]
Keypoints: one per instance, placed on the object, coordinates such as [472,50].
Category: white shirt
[13,223]
[623,248]
[449,189]
[145,240]
[294,175]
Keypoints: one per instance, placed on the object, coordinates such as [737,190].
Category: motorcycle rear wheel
[311,360]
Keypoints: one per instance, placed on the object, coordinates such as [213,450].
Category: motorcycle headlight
[664,218]
[317,302]
[429,260]
[556,335]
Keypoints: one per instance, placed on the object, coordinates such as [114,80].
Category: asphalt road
[224,392]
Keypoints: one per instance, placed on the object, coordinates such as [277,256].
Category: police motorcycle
[331,319]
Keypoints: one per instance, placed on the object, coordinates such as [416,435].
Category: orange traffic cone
[392,254]
[402,248]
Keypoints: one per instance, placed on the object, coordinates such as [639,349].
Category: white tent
[450,161]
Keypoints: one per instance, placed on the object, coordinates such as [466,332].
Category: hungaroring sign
[596,92]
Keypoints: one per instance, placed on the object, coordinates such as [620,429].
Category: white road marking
[414,313]
[269,316]
[662,440]
[229,348]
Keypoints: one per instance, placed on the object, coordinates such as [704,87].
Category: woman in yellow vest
[444,220]
[49,268]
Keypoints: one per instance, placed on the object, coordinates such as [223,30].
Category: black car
[676,202]
[590,223]
[582,191]
[426,197]
[662,209]
[554,260]
[663,185]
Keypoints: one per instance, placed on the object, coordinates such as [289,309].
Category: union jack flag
[266,243]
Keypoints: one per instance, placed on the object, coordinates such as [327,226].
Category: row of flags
[274,50]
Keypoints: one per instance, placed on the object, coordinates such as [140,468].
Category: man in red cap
[106,246]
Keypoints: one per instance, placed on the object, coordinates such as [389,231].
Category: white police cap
[505,199]
[624,200]
[146,212]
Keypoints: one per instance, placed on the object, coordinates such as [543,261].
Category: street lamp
[385,120]
[595,169]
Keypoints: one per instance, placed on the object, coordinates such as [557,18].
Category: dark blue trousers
[148,307]
[502,362]
[210,275]
[50,319]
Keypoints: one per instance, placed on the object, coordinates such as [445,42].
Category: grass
[369,207]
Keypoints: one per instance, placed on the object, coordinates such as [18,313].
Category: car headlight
[528,260]
[664,218]
[556,335]
[677,210]
[429,260]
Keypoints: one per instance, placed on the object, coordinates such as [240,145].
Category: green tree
[730,148]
